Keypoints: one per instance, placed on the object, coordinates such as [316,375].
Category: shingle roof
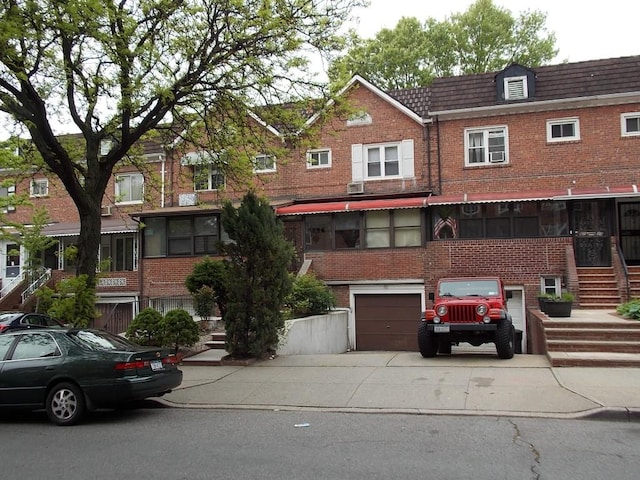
[554,82]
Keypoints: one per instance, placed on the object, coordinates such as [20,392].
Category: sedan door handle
[49,368]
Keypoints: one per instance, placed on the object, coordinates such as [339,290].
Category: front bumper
[461,327]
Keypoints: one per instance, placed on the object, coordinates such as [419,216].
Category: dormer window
[515,88]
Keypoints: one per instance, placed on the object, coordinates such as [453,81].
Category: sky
[584,30]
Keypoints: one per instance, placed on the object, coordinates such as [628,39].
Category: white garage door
[516,308]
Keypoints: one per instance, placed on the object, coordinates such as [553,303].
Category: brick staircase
[634,281]
[592,339]
[598,288]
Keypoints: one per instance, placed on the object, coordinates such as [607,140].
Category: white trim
[264,170]
[623,124]
[319,151]
[118,194]
[485,131]
[376,91]
[575,121]
[380,288]
[39,181]
[522,80]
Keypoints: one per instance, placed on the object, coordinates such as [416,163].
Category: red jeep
[472,310]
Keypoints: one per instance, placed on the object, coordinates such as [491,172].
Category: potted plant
[559,306]
[542,300]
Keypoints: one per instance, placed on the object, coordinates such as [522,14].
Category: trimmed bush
[309,296]
[179,329]
[146,328]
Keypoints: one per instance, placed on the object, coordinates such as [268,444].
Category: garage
[516,308]
[387,321]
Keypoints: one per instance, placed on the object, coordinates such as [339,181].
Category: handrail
[12,284]
[45,275]
[624,268]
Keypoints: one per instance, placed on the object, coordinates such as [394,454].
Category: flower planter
[558,308]
[542,303]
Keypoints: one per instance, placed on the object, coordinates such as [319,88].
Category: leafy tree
[117,72]
[484,38]
[258,280]
[146,328]
[73,302]
[211,274]
[309,296]
[179,329]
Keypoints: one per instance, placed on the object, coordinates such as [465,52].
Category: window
[39,187]
[378,229]
[383,161]
[265,163]
[358,119]
[207,177]
[129,188]
[120,251]
[630,123]
[407,228]
[501,220]
[318,158]
[515,88]
[6,192]
[182,236]
[563,130]
[35,345]
[486,146]
[550,285]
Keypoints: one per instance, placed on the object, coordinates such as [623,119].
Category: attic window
[360,118]
[515,88]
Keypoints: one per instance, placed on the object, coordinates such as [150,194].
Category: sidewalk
[464,383]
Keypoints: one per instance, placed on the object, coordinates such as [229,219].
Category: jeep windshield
[469,288]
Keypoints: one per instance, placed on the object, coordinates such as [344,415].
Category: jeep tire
[505,339]
[427,341]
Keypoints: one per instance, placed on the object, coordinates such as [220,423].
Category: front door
[592,238]
[12,264]
[629,221]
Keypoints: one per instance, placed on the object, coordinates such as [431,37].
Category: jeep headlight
[481,310]
[441,310]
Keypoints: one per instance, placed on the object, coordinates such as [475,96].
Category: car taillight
[170,360]
[132,365]
[3,328]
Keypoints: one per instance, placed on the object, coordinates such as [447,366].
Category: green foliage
[204,302]
[146,328]
[73,302]
[257,279]
[179,329]
[630,310]
[484,38]
[309,296]
[213,275]
[118,70]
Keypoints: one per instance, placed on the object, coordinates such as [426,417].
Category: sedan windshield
[97,340]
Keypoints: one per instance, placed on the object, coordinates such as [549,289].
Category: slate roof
[554,82]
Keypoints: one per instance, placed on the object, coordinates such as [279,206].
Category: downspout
[162,179]
[439,157]
[427,134]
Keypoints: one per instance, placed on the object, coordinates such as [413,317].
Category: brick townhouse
[529,174]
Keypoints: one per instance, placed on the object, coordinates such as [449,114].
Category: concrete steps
[602,340]
[634,281]
[218,340]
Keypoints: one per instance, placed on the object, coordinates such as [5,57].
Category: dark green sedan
[68,371]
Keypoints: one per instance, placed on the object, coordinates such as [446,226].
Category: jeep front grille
[462,314]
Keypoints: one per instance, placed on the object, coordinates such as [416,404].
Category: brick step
[598,294]
[598,285]
[594,334]
[593,359]
[601,346]
[599,305]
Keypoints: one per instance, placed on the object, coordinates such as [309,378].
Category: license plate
[441,328]
[156,365]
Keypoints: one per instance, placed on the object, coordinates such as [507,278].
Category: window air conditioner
[106,211]
[496,157]
[355,187]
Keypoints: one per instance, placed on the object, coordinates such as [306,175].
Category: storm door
[592,238]
[629,221]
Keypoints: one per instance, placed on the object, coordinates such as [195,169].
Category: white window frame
[211,171]
[555,289]
[575,121]
[264,170]
[317,153]
[487,132]
[359,119]
[382,148]
[623,124]
[522,80]
[39,187]
[119,194]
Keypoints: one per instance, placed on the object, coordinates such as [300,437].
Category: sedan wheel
[65,404]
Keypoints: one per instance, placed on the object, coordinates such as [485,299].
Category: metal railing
[11,284]
[42,275]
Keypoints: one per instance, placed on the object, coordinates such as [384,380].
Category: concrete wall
[319,334]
